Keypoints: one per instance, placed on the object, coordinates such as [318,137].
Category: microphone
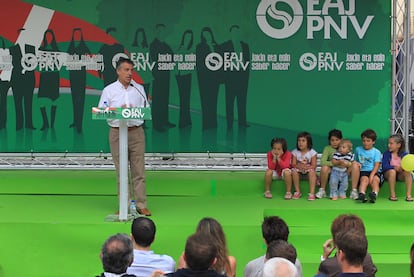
[142,95]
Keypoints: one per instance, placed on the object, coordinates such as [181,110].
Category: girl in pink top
[278,166]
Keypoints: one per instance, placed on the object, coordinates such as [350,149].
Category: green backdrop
[332,69]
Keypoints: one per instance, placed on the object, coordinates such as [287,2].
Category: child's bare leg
[296,179]
[268,179]
[312,181]
[408,183]
[391,176]
[287,177]
[355,173]
[375,184]
[363,184]
[325,170]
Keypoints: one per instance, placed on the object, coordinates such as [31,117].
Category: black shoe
[169,125]
[159,128]
[361,197]
[244,125]
[372,197]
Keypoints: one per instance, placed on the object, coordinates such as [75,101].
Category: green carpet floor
[52,222]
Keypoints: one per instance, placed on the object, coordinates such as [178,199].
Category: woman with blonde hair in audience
[211,228]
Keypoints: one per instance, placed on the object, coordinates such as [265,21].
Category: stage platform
[53,222]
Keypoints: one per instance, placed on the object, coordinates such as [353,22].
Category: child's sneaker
[342,196]
[361,197]
[353,194]
[311,197]
[296,195]
[334,198]
[372,197]
[321,193]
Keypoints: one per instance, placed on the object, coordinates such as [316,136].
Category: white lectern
[122,114]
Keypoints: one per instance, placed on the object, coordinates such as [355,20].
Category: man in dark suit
[236,81]
[22,83]
[161,82]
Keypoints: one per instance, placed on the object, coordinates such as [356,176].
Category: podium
[123,114]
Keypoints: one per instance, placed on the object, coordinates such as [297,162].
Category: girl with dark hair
[211,229]
[304,164]
[278,167]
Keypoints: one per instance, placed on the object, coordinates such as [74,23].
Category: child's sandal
[268,194]
[288,195]
[409,199]
[393,198]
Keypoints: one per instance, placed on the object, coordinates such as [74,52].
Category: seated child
[334,138]
[368,160]
[391,166]
[304,164]
[341,161]
[278,166]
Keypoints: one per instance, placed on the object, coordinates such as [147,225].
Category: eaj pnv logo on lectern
[121,113]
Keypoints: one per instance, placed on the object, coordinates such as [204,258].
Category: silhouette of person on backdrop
[161,82]
[236,81]
[49,82]
[140,46]
[208,80]
[23,83]
[108,52]
[77,79]
[184,78]
[5,75]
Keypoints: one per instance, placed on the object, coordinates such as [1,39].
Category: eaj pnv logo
[281,19]
[267,12]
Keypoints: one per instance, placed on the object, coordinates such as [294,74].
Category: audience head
[279,267]
[346,222]
[143,231]
[352,247]
[117,254]
[212,229]
[282,249]
[274,228]
[200,252]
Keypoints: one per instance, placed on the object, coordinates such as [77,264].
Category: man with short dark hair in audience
[352,248]
[199,255]
[330,266]
[145,260]
[282,249]
[116,255]
[273,228]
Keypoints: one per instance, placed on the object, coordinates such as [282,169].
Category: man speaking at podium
[126,93]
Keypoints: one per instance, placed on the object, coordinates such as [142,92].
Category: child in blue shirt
[368,159]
